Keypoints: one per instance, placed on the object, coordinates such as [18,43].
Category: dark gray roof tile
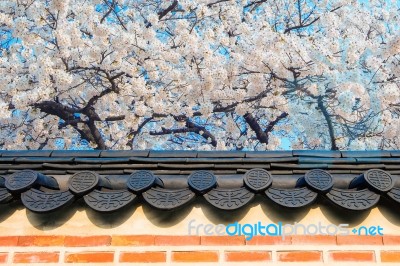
[242,166]
[221,154]
[268,154]
[394,172]
[156,172]
[159,160]
[379,160]
[102,160]
[281,172]
[44,159]
[127,153]
[76,153]
[26,153]
[298,166]
[395,153]
[173,154]
[214,160]
[217,172]
[271,160]
[300,171]
[20,166]
[186,166]
[111,172]
[365,154]
[72,166]
[356,166]
[7,159]
[53,172]
[326,160]
[317,153]
[129,166]
[392,166]
[340,171]
[359,172]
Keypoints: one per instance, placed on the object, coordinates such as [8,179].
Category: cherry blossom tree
[205,74]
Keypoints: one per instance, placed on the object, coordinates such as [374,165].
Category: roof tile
[128,153]
[76,153]
[366,154]
[317,153]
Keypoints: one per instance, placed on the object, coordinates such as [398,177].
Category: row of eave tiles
[183,162]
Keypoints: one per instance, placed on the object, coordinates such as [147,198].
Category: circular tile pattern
[21,181]
[257,179]
[83,182]
[202,181]
[379,179]
[319,180]
[141,180]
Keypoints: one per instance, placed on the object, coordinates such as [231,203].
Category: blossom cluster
[240,74]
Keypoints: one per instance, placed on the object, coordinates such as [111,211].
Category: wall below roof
[142,219]
[139,233]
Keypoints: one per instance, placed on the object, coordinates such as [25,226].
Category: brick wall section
[188,249]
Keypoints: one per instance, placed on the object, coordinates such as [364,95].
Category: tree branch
[300,26]
[255,126]
[254,3]
[190,127]
[262,135]
[114,118]
[164,12]
[108,12]
[88,131]
[216,2]
[271,124]
[329,122]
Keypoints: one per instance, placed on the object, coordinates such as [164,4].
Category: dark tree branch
[205,133]
[271,124]
[190,127]
[114,88]
[164,12]
[329,122]
[108,12]
[133,133]
[88,131]
[64,112]
[98,139]
[254,3]
[114,118]
[255,126]
[216,2]
[262,135]
[300,26]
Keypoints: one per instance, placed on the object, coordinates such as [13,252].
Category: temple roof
[108,181]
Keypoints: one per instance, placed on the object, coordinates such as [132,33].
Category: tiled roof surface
[109,180]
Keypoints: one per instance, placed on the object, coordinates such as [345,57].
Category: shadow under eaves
[278,213]
[6,210]
[218,216]
[107,220]
[167,218]
[338,215]
[389,209]
[52,220]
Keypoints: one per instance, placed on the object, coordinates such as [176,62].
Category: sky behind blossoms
[206,74]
